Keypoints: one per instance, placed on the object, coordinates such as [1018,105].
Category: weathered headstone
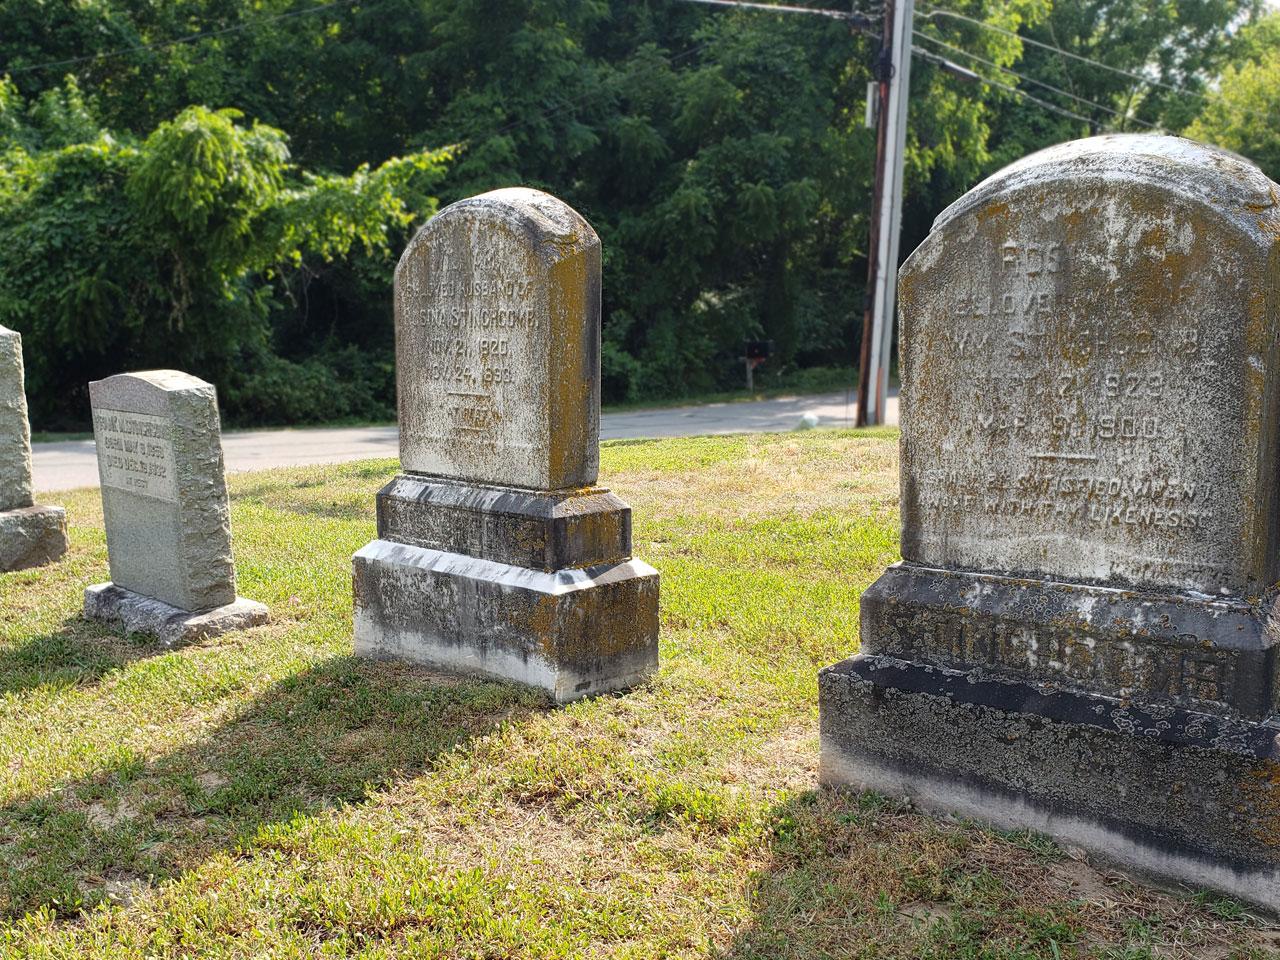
[1081,637]
[30,535]
[496,553]
[164,500]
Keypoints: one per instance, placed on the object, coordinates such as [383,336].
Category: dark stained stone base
[1169,793]
[573,633]
[171,626]
[1216,654]
[542,530]
[32,537]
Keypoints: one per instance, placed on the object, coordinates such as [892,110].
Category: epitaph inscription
[136,453]
[1071,411]
[475,328]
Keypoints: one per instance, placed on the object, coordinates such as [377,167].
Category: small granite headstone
[1081,637]
[164,501]
[30,535]
[496,553]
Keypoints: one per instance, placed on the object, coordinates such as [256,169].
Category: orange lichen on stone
[1262,789]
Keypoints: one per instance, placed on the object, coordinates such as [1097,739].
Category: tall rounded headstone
[30,535]
[1081,637]
[164,503]
[496,553]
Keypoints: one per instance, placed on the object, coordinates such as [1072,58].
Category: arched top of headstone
[161,380]
[1219,179]
[1091,371]
[155,391]
[498,343]
[550,226]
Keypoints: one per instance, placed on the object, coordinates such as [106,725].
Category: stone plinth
[30,535]
[1081,638]
[497,554]
[573,632]
[134,613]
[164,502]
[1172,794]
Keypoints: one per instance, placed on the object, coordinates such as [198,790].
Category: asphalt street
[65,465]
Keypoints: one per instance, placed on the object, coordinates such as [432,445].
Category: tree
[1244,114]
[173,250]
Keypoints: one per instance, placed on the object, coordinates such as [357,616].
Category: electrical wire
[1033,80]
[783,8]
[938,12]
[855,17]
[940,61]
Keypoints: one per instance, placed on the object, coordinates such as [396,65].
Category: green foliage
[1245,115]
[178,249]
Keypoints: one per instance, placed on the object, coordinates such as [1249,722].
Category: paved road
[71,464]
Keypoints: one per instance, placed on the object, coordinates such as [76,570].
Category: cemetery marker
[497,553]
[1081,636]
[30,535]
[164,501]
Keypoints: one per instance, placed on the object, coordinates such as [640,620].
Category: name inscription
[135,453]
[1184,667]
[470,317]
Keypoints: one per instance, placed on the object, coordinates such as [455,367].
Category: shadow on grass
[79,653]
[329,736]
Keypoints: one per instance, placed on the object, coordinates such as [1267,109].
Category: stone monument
[497,554]
[164,501]
[1081,636]
[30,535]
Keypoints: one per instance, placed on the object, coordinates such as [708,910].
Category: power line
[940,61]
[1038,83]
[937,12]
[189,38]
[783,8]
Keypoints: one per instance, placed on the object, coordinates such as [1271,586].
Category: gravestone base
[31,537]
[574,633]
[1169,793]
[542,530]
[534,586]
[1219,655]
[170,625]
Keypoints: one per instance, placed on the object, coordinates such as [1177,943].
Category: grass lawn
[265,794]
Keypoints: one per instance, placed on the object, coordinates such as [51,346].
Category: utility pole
[893,73]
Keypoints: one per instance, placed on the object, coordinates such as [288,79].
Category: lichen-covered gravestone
[30,535]
[1081,638]
[164,501]
[496,553]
